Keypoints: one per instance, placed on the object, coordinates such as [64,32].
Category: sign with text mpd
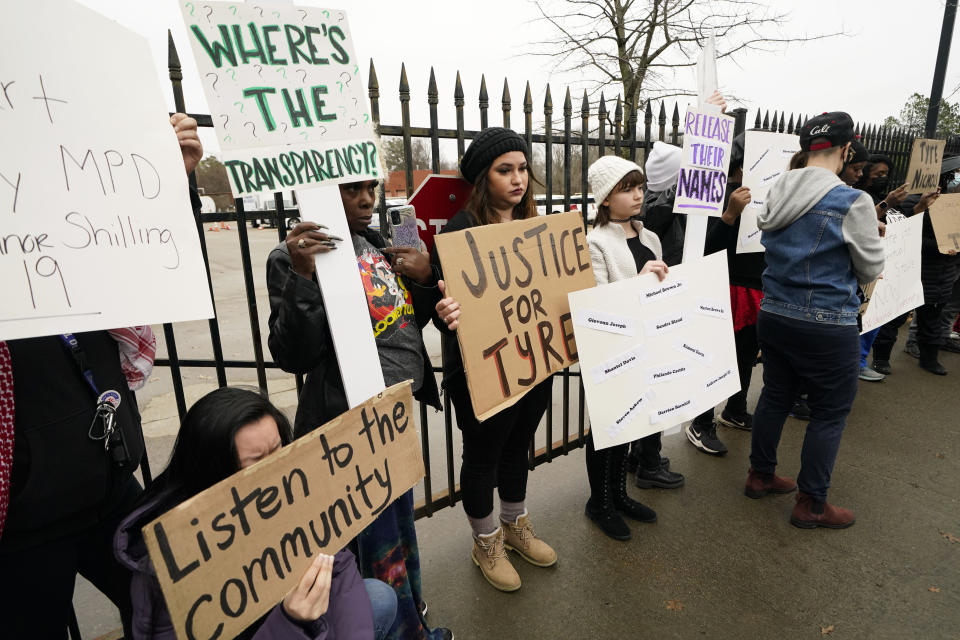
[923,172]
[511,281]
[96,227]
[707,136]
[900,289]
[766,156]
[229,554]
[654,354]
[284,88]
[945,218]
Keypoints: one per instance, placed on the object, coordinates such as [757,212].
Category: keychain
[106,412]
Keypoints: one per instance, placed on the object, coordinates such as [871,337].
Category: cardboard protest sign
[707,135]
[923,172]
[284,88]
[766,156]
[654,354]
[511,281]
[945,217]
[899,290]
[227,555]
[345,298]
[96,227]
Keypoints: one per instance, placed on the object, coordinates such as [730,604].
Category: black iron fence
[601,129]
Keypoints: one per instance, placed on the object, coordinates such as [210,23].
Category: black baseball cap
[834,128]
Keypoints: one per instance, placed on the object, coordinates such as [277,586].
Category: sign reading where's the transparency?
[285,94]
[96,227]
[511,281]
[227,555]
[707,136]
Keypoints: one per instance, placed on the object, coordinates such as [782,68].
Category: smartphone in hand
[403,226]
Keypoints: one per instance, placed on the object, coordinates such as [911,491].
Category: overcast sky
[887,55]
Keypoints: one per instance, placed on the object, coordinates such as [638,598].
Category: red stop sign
[436,200]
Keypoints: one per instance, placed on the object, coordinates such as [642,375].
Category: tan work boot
[519,537]
[488,554]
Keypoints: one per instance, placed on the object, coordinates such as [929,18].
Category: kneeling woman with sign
[495,451]
[620,248]
[226,431]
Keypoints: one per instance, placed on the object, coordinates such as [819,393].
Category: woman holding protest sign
[225,431]
[399,287]
[494,452]
[621,247]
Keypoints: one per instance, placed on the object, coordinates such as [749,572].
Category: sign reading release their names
[227,555]
[284,88]
[511,281]
[707,136]
[679,361]
[96,227]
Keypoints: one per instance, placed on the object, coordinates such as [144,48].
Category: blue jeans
[866,343]
[384,602]
[823,359]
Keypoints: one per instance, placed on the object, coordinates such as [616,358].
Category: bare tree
[638,45]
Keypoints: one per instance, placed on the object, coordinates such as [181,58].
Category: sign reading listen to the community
[654,354]
[900,289]
[707,135]
[945,217]
[766,156]
[230,553]
[284,88]
[96,228]
[511,281]
[923,172]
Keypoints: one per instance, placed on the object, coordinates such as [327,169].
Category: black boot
[929,361]
[600,506]
[621,501]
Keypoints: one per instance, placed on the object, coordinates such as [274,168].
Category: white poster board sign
[654,354]
[766,156]
[284,88]
[899,289]
[707,136]
[344,298]
[96,227]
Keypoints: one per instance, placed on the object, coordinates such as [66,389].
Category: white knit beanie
[605,173]
[663,166]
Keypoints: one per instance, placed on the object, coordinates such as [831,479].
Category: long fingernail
[335,238]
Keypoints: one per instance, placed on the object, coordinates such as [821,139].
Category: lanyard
[71,343]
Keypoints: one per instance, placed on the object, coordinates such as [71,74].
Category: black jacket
[670,227]
[301,342]
[744,269]
[452,360]
[62,481]
[938,271]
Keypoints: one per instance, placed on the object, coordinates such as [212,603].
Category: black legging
[495,451]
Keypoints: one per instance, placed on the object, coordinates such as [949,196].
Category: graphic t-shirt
[391,313]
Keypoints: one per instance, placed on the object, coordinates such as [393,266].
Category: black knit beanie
[487,147]
[860,153]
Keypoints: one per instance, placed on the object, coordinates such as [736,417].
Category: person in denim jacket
[822,241]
